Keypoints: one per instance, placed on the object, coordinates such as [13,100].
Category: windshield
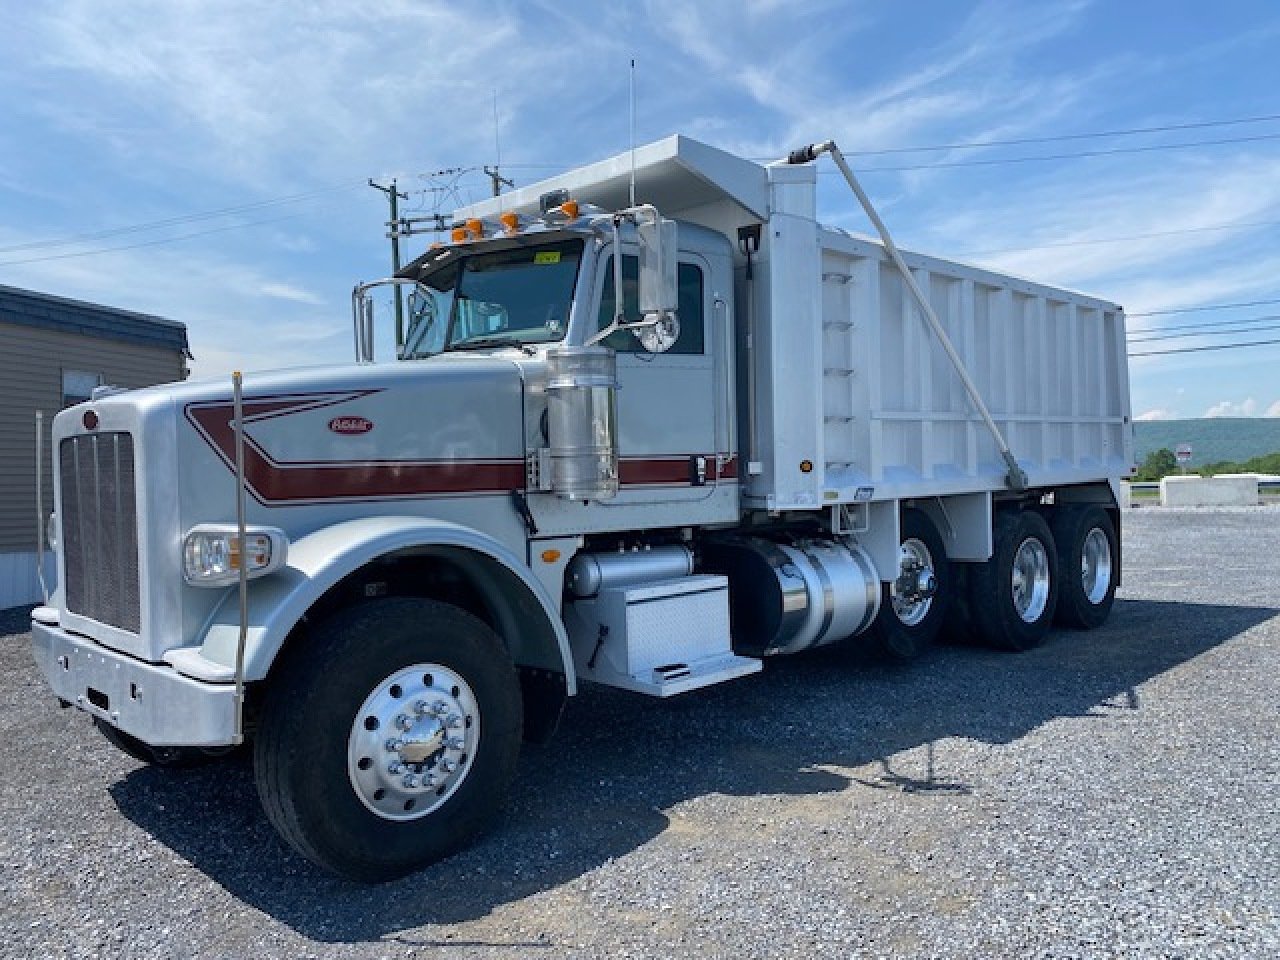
[515,296]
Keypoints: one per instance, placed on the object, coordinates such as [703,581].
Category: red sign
[350,425]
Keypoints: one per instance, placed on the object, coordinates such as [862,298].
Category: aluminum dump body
[1050,365]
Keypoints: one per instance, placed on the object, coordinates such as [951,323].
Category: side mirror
[658,243]
[659,291]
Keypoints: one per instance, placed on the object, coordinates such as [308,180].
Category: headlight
[51,531]
[211,553]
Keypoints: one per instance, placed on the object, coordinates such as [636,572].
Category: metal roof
[31,309]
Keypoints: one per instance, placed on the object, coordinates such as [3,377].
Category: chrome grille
[99,523]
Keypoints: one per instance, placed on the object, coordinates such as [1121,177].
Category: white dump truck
[644,425]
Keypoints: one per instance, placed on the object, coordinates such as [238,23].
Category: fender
[321,559]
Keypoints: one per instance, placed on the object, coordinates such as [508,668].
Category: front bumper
[154,703]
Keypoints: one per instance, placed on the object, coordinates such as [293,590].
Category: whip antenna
[633,131]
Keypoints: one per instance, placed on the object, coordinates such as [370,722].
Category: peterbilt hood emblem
[350,425]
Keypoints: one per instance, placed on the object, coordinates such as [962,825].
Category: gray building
[53,352]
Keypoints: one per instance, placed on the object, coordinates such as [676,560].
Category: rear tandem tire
[903,631]
[1013,595]
[388,740]
[1086,539]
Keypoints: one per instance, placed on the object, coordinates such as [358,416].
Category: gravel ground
[1111,794]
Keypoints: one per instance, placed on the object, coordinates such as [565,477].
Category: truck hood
[369,432]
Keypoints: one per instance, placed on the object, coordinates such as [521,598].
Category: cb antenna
[633,131]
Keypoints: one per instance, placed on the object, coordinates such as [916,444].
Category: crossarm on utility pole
[1016,478]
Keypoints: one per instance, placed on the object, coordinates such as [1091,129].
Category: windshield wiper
[473,343]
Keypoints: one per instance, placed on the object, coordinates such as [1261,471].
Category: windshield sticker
[547,256]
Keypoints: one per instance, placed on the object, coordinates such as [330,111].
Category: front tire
[1087,543]
[914,605]
[389,738]
[1013,595]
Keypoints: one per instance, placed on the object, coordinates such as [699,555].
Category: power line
[1111,151]
[1207,323]
[1207,333]
[174,221]
[1207,306]
[1136,236]
[148,243]
[1216,346]
[1131,131]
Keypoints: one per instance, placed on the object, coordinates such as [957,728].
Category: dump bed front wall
[1050,365]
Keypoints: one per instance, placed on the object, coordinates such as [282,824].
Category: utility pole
[393,227]
[497,180]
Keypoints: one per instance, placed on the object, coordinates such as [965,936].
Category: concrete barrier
[1126,494]
[1240,490]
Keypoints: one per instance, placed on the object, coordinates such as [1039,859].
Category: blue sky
[118,116]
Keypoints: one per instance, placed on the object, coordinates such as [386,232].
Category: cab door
[673,413]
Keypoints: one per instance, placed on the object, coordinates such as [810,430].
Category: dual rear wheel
[1064,567]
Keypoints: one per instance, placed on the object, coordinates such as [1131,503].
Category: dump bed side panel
[1049,363]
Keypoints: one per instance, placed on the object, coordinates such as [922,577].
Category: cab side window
[689,309]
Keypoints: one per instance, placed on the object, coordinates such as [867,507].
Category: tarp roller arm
[1016,478]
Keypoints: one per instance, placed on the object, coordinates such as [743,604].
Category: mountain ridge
[1212,439]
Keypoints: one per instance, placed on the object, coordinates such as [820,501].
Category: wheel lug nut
[448,765]
[454,743]
[453,721]
[421,707]
[440,709]
[395,769]
[410,781]
[404,721]
[429,780]
[392,745]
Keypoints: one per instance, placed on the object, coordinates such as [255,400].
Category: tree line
[1163,462]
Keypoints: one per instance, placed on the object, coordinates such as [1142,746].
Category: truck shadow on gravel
[598,791]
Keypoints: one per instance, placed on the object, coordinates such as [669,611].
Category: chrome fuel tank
[788,597]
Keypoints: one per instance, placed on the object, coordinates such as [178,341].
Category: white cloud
[285,291]
[1273,410]
[1148,221]
[1157,414]
[251,89]
[1226,408]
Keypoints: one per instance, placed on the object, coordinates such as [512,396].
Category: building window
[688,310]
[77,386]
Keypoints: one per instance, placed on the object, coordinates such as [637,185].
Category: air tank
[589,573]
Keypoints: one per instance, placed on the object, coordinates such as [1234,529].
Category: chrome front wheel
[412,741]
